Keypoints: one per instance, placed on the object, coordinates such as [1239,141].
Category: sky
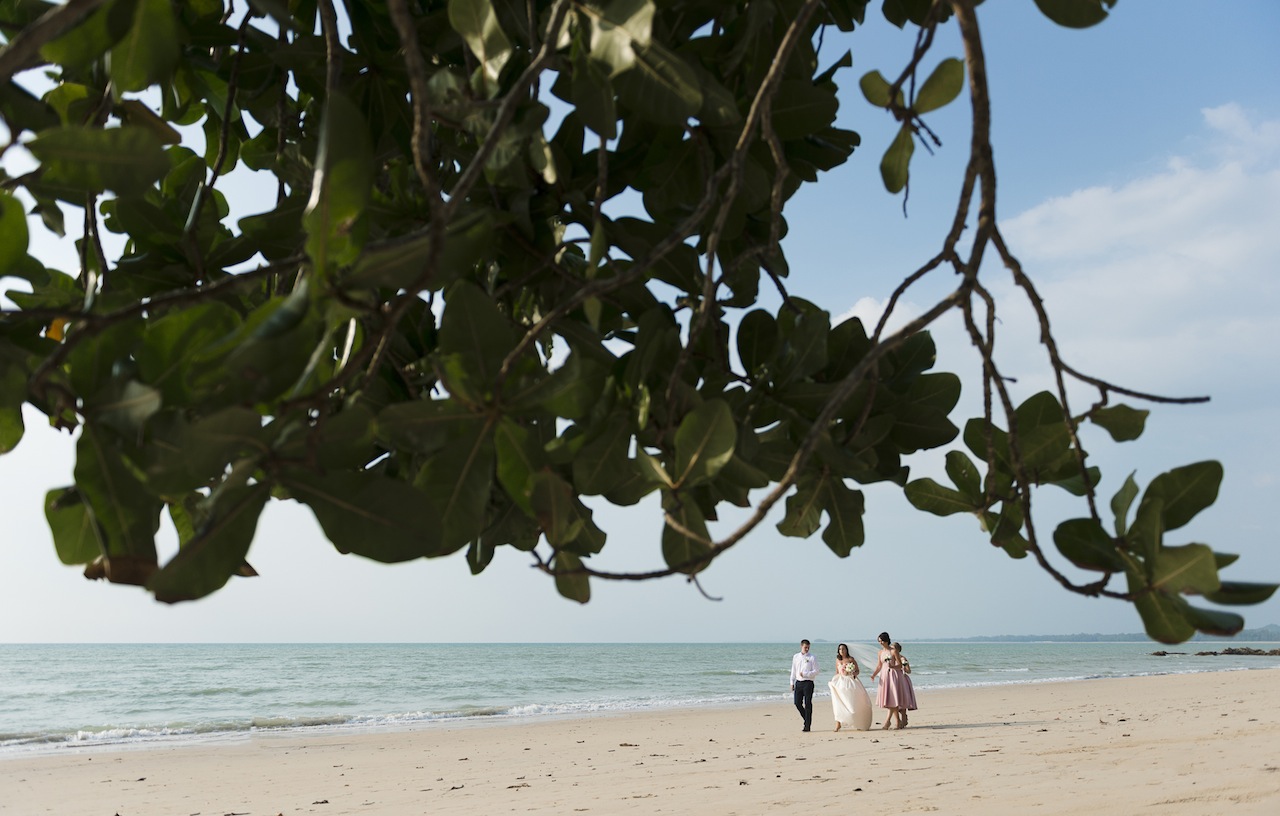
[1139,185]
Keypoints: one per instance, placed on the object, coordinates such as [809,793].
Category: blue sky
[1139,178]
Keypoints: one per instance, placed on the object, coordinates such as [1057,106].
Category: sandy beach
[1173,744]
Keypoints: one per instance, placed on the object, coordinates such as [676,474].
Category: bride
[849,700]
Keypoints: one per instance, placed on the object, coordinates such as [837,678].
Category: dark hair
[846,650]
[803,642]
[884,637]
[897,646]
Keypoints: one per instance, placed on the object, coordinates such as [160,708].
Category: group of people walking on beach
[850,702]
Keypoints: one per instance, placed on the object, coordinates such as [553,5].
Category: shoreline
[363,726]
[1176,743]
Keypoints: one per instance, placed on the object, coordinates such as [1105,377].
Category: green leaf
[1186,570]
[1146,536]
[570,583]
[592,96]
[340,188]
[1075,482]
[847,345]
[474,340]
[1185,491]
[423,426]
[552,500]
[1075,13]
[942,86]
[79,160]
[206,562]
[651,470]
[633,486]
[900,12]
[479,555]
[1213,622]
[801,109]
[1122,422]
[964,475]
[267,355]
[757,340]
[476,21]
[921,427]
[1006,529]
[1164,617]
[13,233]
[931,497]
[149,52]
[1087,545]
[128,409]
[600,466]
[738,471]
[1044,449]
[893,167]
[1237,593]
[181,455]
[940,391]
[719,107]
[570,392]
[1041,409]
[683,552]
[804,344]
[704,443]
[170,341]
[22,110]
[916,355]
[844,508]
[804,508]
[368,514]
[876,89]
[127,514]
[75,535]
[1121,502]
[342,440]
[86,42]
[510,526]
[519,458]
[660,86]
[13,393]
[618,30]
[458,481]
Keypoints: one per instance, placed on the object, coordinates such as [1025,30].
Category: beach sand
[1173,744]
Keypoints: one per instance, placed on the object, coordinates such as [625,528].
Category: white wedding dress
[850,702]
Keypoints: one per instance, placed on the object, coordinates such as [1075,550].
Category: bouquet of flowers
[849,668]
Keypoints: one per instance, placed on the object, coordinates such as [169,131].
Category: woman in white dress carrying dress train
[849,699]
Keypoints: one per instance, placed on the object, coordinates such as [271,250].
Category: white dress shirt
[803,667]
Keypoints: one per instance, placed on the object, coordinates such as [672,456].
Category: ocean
[79,696]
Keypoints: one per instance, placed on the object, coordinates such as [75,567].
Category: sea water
[75,696]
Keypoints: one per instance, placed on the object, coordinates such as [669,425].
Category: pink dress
[892,690]
[910,704]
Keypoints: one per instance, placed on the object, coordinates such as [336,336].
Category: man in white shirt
[804,667]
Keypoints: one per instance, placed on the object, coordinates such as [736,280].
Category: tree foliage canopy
[514,260]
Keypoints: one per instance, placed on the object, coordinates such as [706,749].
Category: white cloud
[1165,283]
[869,310]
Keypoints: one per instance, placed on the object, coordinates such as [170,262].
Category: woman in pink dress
[891,691]
[909,702]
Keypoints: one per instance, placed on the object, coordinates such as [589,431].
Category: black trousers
[804,701]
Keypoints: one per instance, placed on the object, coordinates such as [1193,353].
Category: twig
[416,67]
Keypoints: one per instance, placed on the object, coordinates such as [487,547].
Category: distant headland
[1266,634]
